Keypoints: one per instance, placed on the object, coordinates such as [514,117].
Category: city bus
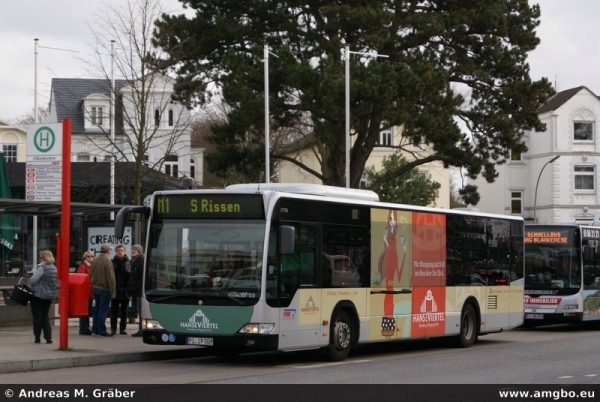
[562,274]
[287,267]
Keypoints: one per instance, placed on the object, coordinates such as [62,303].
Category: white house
[561,163]
[87,102]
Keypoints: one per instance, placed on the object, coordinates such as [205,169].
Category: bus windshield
[552,267]
[219,258]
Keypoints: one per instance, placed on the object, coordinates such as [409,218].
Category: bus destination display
[208,206]
[547,237]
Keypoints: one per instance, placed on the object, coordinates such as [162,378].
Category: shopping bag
[21,294]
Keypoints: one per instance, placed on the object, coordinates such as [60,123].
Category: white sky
[568,34]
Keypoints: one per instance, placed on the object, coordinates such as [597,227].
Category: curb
[83,361]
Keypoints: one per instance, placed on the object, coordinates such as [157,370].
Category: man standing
[120,304]
[134,286]
[102,276]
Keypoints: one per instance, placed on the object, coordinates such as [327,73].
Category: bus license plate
[199,341]
[534,316]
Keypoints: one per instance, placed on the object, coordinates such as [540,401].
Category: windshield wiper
[163,298]
[235,299]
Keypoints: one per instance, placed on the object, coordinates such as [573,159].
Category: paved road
[551,355]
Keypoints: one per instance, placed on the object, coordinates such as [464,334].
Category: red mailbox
[79,295]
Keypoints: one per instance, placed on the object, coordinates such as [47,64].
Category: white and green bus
[284,267]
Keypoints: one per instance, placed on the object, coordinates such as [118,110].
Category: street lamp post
[347,60]
[35,120]
[537,184]
[112,127]
[267,141]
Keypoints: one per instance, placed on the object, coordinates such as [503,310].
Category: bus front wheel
[468,328]
[341,337]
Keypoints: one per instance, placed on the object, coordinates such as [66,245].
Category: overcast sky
[568,34]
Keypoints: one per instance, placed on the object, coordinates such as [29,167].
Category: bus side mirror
[123,215]
[287,234]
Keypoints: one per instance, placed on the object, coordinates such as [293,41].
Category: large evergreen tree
[456,78]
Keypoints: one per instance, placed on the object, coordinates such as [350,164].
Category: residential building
[306,152]
[535,184]
[87,102]
[13,140]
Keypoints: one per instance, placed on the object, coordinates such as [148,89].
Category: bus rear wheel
[468,328]
[341,337]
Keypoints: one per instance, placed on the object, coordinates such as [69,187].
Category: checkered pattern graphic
[388,326]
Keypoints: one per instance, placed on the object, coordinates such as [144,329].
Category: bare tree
[282,140]
[146,120]
[29,118]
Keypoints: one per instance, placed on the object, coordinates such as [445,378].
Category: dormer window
[95,110]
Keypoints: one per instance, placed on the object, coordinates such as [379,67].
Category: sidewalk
[18,353]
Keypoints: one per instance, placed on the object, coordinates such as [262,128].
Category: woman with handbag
[43,281]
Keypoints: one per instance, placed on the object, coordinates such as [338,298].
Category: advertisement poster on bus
[409,268]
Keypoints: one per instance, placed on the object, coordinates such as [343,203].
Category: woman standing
[84,268]
[43,282]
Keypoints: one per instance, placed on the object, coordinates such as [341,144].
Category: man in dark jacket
[134,286]
[120,304]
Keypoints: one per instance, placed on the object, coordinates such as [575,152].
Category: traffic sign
[44,162]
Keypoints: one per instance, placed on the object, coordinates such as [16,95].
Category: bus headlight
[151,325]
[571,307]
[262,329]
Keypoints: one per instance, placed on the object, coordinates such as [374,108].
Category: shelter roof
[52,208]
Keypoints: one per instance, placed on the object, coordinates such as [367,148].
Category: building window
[157,117]
[171,117]
[83,157]
[516,202]
[583,130]
[171,166]
[424,173]
[96,115]
[516,156]
[584,178]
[10,153]
[107,158]
[385,138]
[192,169]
